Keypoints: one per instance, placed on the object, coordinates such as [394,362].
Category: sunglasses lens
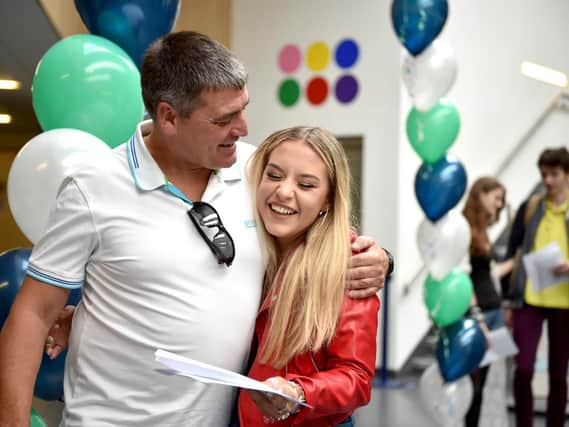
[221,244]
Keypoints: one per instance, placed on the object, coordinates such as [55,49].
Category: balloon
[36,420]
[460,348]
[440,186]
[49,382]
[87,82]
[38,170]
[443,244]
[432,132]
[446,402]
[418,22]
[430,75]
[13,266]
[132,24]
[448,300]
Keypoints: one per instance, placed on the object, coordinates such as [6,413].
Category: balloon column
[87,98]
[429,70]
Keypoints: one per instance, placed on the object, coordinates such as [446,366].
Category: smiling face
[207,137]
[293,190]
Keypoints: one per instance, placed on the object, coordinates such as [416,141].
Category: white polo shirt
[149,281]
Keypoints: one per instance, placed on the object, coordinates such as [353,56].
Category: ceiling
[25,35]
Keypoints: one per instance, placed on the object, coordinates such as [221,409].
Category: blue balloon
[440,186]
[49,381]
[131,24]
[418,22]
[460,348]
[13,266]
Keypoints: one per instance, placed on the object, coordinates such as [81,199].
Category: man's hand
[367,269]
[58,335]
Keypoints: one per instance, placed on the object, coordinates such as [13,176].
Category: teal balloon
[447,300]
[36,420]
[432,132]
[88,83]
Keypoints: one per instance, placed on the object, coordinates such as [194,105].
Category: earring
[322,213]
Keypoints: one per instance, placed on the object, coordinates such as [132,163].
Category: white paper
[501,345]
[210,374]
[539,267]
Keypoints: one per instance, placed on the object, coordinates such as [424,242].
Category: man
[546,221]
[158,268]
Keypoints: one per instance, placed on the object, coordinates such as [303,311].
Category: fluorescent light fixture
[9,84]
[544,74]
[5,119]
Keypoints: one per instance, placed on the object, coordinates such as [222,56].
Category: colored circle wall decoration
[289,92]
[347,53]
[317,90]
[346,88]
[318,56]
[290,58]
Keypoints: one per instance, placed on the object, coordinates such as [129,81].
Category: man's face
[207,138]
[555,180]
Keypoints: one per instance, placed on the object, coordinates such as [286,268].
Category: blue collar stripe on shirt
[133,153]
[46,278]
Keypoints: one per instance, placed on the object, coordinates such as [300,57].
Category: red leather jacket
[336,380]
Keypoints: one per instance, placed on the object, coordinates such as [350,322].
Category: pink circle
[289,58]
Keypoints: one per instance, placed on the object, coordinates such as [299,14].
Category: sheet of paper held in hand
[206,373]
[501,345]
[539,267]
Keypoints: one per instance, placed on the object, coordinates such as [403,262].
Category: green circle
[289,92]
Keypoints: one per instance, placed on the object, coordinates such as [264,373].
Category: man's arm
[368,269]
[22,340]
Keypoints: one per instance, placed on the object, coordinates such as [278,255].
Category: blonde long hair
[312,275]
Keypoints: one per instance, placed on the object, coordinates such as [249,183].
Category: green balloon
[36,419]
[432,132]
[88,83]
[448,299]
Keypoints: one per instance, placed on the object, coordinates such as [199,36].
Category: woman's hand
[58,335]
[272,406]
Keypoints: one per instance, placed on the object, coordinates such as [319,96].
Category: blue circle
[347,53]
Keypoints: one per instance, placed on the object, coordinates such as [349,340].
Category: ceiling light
[5,119]
[544,74]
[9,84]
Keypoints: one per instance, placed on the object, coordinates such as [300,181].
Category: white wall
[497,105]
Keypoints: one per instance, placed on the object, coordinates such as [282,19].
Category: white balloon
[443,244]
[430,75]
[39,169]
[446,402]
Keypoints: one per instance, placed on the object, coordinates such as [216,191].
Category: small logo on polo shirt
[250,223]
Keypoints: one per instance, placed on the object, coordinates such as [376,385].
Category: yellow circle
[318,56]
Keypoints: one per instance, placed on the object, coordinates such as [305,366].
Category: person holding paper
[482,208]
[160,235]
[313,342]
[546,222]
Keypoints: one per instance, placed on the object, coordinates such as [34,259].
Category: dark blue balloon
[460,348]
[131,24]
[440,186]
[13,266]
[49,382]
[418,22]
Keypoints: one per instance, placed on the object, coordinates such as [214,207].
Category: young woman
[313,342]
[483,205]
